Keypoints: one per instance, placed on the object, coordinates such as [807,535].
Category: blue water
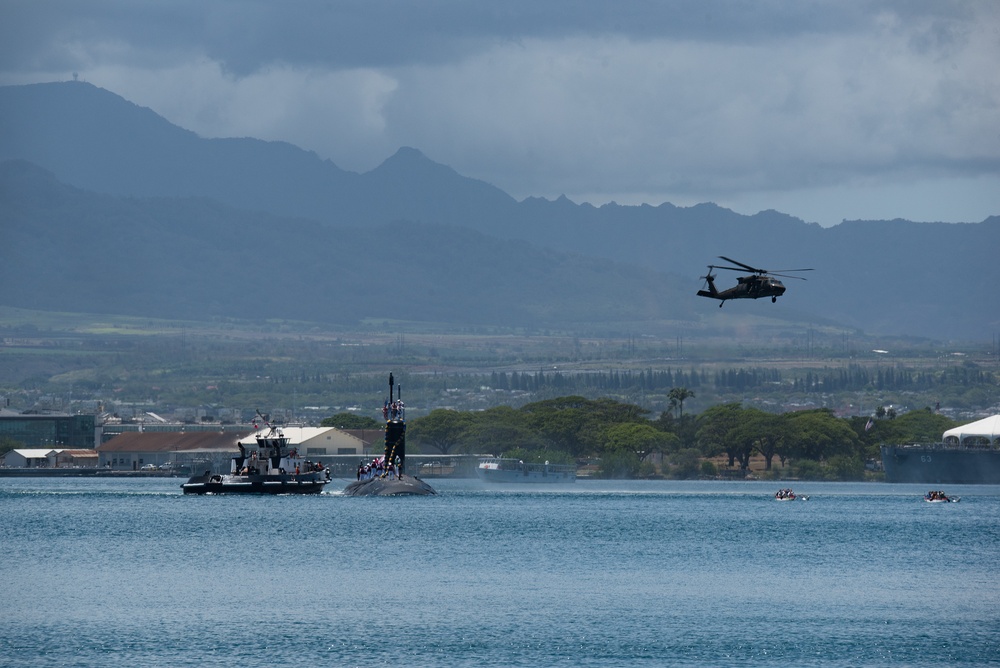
[100,572]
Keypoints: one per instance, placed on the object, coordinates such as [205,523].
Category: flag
[869,425]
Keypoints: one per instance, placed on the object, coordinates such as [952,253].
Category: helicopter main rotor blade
[775,271]
[740,264]
[788,276]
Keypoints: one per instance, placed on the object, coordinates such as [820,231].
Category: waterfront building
[48,429]
[59,458]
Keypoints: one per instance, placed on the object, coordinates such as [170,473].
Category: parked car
[148,467]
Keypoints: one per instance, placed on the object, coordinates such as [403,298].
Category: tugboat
[386,476]
[270,469]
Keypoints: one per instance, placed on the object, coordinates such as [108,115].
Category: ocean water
[100,572]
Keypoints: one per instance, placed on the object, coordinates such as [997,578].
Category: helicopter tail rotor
[709,279]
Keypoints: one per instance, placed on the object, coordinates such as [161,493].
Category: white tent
[987,429]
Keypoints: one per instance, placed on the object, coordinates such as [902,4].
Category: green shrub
[619,464]
[807,469]
[844,467]
[686,464]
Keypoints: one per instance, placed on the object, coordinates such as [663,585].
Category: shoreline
[83,472]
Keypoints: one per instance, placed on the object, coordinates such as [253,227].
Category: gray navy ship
[969,454]
[941,464]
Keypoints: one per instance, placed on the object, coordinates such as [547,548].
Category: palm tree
[677,396]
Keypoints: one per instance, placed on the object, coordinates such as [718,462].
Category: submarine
[387,475]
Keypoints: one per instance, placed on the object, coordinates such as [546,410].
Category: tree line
[627,442]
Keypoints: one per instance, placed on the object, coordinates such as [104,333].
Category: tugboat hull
[261,484]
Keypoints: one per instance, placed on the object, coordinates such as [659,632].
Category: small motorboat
[789,495]
[936,496]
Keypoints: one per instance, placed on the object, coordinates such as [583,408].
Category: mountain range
[107,207]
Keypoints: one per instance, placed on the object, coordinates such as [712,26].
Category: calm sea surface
[100,572]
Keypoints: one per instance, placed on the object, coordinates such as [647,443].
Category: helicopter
[761,283]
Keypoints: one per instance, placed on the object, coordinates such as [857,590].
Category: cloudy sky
[826,110]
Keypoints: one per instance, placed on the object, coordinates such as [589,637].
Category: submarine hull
[406,486]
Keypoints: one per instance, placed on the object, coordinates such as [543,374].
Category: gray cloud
[818,105]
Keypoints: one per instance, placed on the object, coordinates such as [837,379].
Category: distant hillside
[891,277]
[73,250]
